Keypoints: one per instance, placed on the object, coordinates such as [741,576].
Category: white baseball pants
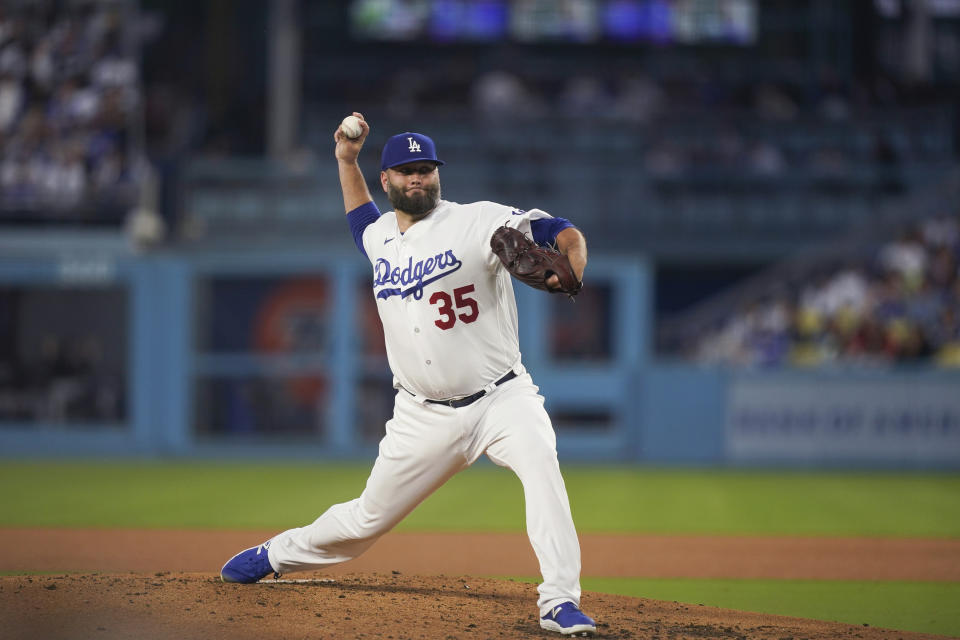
[427,444]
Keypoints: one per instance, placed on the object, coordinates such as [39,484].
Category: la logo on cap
[407,147]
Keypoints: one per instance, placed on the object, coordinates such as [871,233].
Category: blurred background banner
[770,190]
[864,418]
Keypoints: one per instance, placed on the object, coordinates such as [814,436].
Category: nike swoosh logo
[387,240]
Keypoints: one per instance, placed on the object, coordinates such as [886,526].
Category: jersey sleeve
[545,230]
[361,218]
[536,223]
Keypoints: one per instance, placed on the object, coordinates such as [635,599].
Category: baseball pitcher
[442,283]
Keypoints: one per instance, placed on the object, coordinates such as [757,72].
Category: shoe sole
[230,580]
[580,629]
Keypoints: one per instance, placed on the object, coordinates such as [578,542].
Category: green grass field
[604,499]
[929,607]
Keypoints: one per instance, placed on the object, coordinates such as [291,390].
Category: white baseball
[351,127]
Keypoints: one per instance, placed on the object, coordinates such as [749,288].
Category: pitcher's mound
[183,606]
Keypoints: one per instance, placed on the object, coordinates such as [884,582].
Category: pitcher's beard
[415,205]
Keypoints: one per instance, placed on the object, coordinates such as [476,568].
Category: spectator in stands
[765,159]
[638,99]
[945,339]
[772,102]
[501,93]
[12,99]
[67,94]
[584,96]
[905,258]
[665,159]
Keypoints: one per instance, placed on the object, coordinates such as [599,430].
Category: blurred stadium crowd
[900,306]
[69,99]
[772,129]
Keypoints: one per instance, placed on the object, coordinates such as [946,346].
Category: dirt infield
[506,554]
[162,585]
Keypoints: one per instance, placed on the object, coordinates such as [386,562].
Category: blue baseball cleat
[249,566]
[567,619]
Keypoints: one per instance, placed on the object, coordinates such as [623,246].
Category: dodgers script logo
[414,276]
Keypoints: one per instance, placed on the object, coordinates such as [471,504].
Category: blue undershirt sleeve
[359,219]
[545,230]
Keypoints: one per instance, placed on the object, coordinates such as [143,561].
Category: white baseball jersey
[446,302]
[450,321]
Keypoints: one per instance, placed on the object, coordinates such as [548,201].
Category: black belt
[462,402]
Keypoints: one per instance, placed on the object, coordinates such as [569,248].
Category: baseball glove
[533,264]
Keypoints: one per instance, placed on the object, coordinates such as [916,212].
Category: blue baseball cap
[408,147]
